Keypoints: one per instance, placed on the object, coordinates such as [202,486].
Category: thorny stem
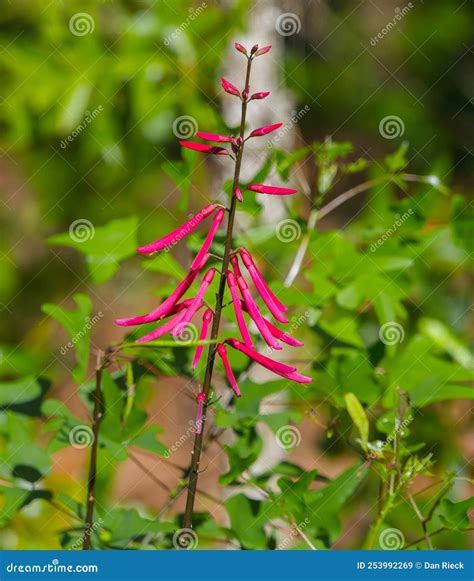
[197,450]
[102,360]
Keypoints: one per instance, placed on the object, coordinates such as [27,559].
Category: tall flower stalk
[183,311]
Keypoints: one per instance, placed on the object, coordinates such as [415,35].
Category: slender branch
[197,449]
[97,415]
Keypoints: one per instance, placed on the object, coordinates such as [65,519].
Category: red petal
[202,147]
[260,95]
[229,88]
[263,189]
[263,50]
[264,130]
[213,137]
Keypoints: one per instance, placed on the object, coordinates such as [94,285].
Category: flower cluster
[179,311]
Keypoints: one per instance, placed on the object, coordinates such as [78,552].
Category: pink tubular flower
[209,238]
[272,190]
[231,282]
[264,130]
[167,305]
[166,328]
[196,302]
[238,194]
[235,265]
[275,299]
[213,137]
[261,288]
[204,148]
[221,349]
[178,234]
[263,50]
[240,48]
[257,318]
[229,88]
[201,400]
[206,321]
[260,95]
[266,362]
[276,332]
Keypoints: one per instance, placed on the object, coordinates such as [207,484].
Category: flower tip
[241,48]
[238,194]
[263,50]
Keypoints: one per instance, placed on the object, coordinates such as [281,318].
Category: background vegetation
[380,441]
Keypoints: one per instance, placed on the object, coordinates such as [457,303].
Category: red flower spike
[201,400]
[201,147]
[221,349]
[254,313]
[254,49]
[241,48]
[206,321]
[264,130]
[275,299]
[229,88]
[260,95]
[213,137]
[263,50]
[209,238]
[174,237]
[261,288]
[266,362]
[196,303]
[238,309]
[238,194]
[272,190]
[167,305]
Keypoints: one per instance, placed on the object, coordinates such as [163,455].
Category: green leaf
[443,338]
[455,515]
[247,521]
[19,391]
[104,247]
[78,324]
[397,160]
[165,263]
[359,417]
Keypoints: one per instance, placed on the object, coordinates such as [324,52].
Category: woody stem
[211,355]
